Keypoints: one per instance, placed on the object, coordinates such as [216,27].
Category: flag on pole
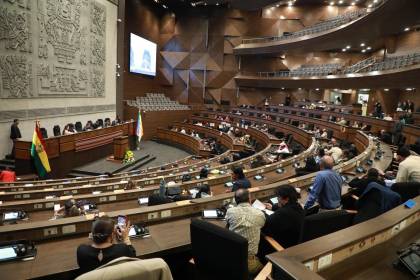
[139,129]
[38,152]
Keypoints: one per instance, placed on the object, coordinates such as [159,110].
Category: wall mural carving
[52,48]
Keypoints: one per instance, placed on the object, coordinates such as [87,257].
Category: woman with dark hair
[103,249]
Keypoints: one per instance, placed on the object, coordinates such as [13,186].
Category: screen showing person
[142,56]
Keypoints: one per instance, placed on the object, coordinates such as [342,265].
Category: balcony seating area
[394,62]
[368,65]
[317,28]
[156,102]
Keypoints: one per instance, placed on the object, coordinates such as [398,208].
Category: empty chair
[217,252]
[78,126]
[57,130]
[323,223]
[44,132]
[406,190]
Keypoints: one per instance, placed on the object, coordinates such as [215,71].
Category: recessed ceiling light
[290,3]
[362,44]
[340,2]
[348,47]
[369,48]
[332,3]
[344,49]
[375,1]
[407,29]
[363,51]
[317,89]
[370,6]
[408,89]
[386,89]
[353,3]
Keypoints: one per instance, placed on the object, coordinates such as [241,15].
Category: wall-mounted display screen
[142,56]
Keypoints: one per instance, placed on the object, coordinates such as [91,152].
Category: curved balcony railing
[319,27]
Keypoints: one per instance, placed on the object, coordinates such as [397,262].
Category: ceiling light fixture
[369,48]
[332,3]
[407,29]
[348,47]
[363,51]
[362,44]
[340,2]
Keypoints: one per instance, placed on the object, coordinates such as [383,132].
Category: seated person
[7,175]
[335,152]
[324,133]
[283,148]
[104,248]
[116,121]
[285,224]
[258,162]
[69,129]
[247,221]
[239,180]
[70,209]
[310,166]
[107,122]
[204,172]
[88,126]
[360,184]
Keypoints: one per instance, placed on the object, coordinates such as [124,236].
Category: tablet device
[229,184]
[143,200]
[210,214]
[9,216]
[258,177]
[7,253]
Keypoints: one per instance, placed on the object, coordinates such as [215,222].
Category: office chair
[324,223]
[56,130]
[44,132]
[406,190]
[217,252]
[374,201]
[78,126]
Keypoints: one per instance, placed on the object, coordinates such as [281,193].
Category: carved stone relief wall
[52,48]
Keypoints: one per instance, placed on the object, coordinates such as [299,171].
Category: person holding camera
[109,242]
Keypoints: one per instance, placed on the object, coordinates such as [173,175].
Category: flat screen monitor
[142,56]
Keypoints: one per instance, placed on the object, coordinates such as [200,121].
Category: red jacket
[7,176]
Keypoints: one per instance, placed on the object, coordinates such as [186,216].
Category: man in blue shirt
[327,187]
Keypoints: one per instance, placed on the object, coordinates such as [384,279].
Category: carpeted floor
[162,152]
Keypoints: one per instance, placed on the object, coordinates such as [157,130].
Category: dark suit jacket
[241,184]
[285,224]
[361,184]
[15,132]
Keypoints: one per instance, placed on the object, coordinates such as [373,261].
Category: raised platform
[162,152]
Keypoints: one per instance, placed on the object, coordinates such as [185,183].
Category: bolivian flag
[39,154]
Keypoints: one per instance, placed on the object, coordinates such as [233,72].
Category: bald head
[327,162]
[242,196]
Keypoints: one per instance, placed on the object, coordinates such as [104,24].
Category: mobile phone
[410,203]
[122,220]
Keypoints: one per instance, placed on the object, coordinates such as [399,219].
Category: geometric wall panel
[174,58]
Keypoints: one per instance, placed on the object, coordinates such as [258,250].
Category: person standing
[15,134]
[327,187]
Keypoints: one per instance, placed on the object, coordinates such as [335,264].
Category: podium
[120,147]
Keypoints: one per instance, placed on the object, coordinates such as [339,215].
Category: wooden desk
[363,251]
[60,256]
[70,151]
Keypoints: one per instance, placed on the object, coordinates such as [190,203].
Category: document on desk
[261,206]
